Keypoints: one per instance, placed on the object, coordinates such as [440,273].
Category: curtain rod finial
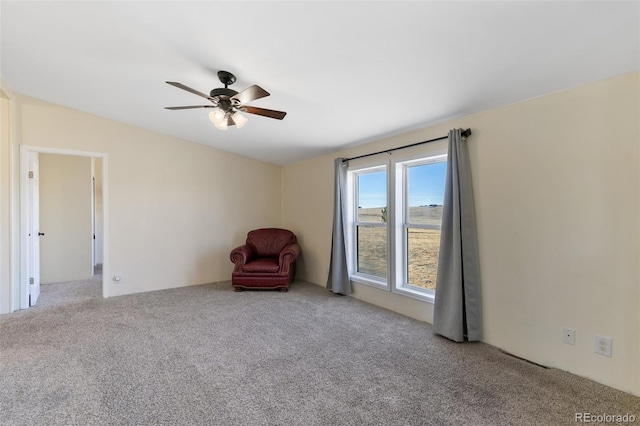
[466,133]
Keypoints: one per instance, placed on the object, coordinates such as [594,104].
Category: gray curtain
[457,310]
[338,280]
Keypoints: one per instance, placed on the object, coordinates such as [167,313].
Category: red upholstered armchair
[267,260]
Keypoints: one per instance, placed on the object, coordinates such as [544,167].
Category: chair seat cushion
[263,264]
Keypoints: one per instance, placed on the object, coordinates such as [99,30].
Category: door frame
[25,150]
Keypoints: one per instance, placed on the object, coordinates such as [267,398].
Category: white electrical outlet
[603,345]
[569,336]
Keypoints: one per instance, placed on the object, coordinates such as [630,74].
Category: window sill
[370,281]
[373,282]
[416,294]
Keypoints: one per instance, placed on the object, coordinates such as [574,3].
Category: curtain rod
[465,133]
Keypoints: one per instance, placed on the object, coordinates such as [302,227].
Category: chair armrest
[288,256]
[241,255]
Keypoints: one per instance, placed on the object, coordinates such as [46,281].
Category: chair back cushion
[269,242]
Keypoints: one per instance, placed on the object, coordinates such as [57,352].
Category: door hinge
[30,175]
[31,281]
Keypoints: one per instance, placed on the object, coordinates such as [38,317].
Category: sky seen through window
[426,186]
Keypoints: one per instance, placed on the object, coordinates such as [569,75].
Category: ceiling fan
[227,104]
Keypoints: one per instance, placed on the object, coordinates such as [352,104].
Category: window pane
[372,250]
[425,188]
[372,197]
[423,246]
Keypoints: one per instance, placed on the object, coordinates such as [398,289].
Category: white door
[34,234]
[94,248]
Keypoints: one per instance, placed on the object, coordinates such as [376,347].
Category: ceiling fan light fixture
[222,125]
[217,115]
[239,119]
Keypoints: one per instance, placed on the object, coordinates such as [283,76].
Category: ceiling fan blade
[188,89]
[250,94]
[279,115]
[191,107]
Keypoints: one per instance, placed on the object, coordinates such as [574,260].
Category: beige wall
[175,208]
[557,190]
[65,218]
[5,206]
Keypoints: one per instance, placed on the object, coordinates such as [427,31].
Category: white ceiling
[346,72]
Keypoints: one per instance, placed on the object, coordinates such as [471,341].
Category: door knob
[40,234]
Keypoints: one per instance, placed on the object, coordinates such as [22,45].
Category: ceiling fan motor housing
[222,92]
[225,104]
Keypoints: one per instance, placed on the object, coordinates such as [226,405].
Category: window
[370,224]
[394,223]
[422,219]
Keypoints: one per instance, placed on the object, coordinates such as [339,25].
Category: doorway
[66,253]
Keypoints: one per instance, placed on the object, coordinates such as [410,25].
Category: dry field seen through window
[422,244]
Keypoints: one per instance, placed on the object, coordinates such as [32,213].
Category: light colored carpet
[65,293]
[205,355]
